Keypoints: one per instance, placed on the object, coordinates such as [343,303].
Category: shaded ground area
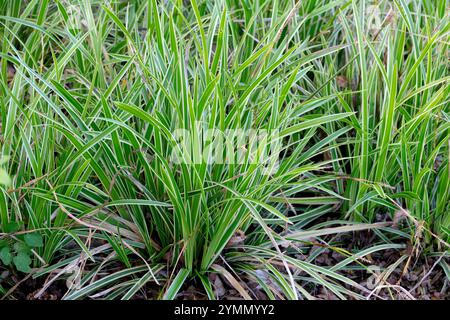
[404,274]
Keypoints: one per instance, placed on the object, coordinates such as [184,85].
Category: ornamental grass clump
[263,150]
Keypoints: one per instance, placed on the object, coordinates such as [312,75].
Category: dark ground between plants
[416,277]
[93,205]
[421,282]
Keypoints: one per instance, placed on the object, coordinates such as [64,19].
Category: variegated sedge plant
[92,92]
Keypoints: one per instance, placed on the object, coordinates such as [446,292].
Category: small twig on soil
[427,274]
[16,286]
[400,288]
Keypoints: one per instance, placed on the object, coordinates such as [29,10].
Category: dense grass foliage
[92,93]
